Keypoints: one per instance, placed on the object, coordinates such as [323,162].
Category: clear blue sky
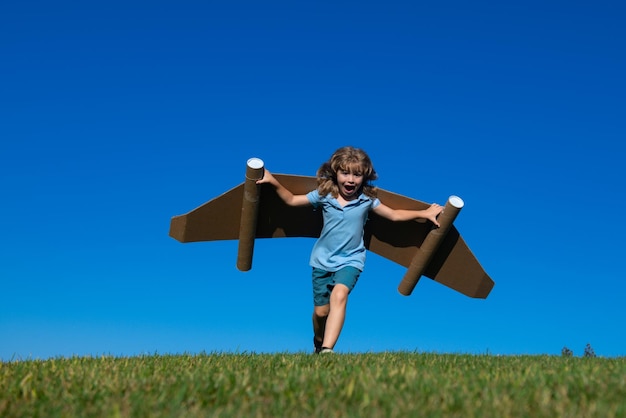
[116,116]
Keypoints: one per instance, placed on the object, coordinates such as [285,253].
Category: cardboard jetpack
[251,211]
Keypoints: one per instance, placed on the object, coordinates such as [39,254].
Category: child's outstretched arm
[288,197]
[408,215]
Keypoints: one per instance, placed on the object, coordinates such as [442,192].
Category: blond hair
[351,159]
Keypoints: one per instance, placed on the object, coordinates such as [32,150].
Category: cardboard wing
[250,211]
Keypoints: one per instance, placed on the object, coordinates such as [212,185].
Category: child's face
[349,183]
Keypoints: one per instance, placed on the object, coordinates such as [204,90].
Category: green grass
[393,384]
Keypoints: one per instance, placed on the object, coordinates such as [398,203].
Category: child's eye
[347,173]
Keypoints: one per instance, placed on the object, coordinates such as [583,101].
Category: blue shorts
[324,281]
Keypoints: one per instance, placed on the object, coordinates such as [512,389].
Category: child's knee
[340,293]
[321,311]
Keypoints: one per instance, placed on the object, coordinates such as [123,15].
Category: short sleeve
[314,198]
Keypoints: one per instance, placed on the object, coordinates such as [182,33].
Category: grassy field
[392,384]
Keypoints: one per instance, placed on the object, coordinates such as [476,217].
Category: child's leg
[321,303]
[336,316]
[320,315]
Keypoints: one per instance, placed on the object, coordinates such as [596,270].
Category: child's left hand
[432,212]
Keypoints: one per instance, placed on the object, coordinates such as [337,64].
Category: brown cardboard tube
[249,213]
[430,245]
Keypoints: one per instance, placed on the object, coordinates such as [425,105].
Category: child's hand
[267,177]
[432,212]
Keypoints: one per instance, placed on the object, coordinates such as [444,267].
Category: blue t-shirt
[341,241]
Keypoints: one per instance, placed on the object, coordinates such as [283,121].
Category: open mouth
[349,188]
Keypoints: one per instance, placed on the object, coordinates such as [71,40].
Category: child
[345,195]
